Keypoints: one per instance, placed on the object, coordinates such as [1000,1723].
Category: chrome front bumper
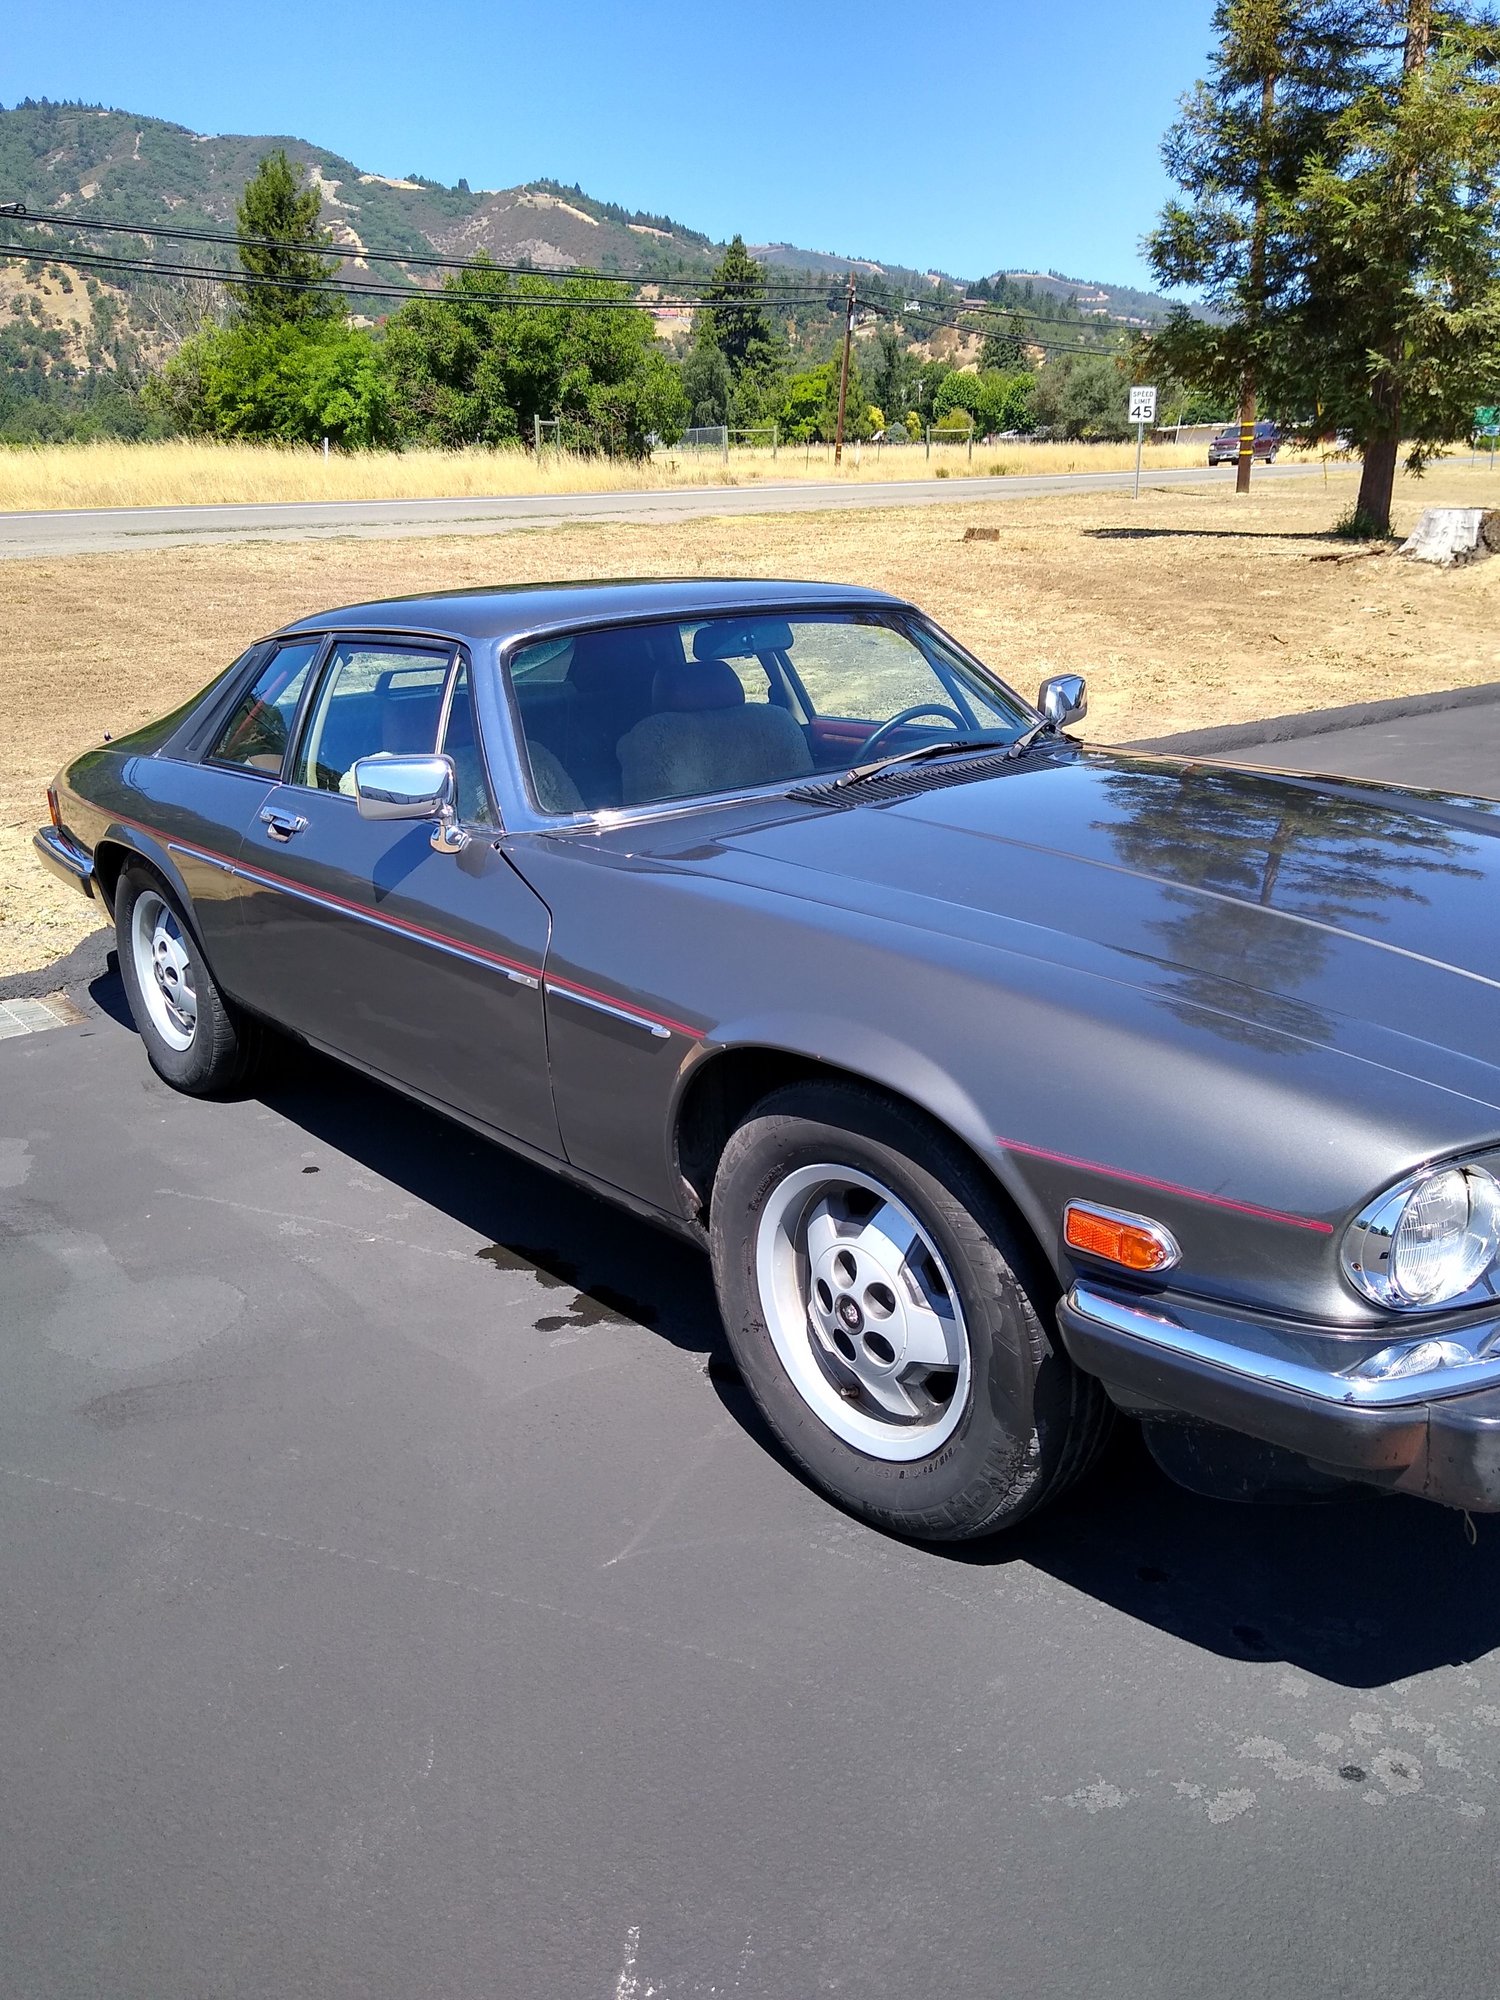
[65,858]
[1435,1432]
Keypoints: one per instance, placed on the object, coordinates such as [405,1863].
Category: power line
[930,319]
[414,260]
[337,288]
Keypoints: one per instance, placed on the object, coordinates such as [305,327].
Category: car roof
[506,611]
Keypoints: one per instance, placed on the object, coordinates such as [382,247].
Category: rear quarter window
[256,735]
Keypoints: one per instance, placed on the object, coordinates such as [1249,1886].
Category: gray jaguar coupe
[1010,1082]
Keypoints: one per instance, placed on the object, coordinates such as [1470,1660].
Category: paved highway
[113,529]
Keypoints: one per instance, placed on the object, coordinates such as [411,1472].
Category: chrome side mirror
[391,787]
[1064,699]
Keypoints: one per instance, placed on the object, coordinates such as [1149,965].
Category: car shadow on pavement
[1359,1592]
[600,1262]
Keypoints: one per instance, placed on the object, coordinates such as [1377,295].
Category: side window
[372,698]
[461,742]
[255,736]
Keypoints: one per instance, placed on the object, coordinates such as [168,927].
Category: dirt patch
[1184,609]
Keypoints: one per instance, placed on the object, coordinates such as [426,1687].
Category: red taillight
[52,807]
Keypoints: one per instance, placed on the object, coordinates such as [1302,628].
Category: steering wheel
[894,722]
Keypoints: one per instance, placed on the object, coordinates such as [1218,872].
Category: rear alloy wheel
[891,1320]
[196,1040]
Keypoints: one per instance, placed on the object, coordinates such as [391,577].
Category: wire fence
[951,433]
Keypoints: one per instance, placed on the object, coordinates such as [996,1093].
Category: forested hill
[87,161]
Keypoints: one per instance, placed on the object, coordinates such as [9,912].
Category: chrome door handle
[281,825]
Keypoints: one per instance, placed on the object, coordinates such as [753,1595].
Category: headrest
[707,683]
[620,660]
[741,638]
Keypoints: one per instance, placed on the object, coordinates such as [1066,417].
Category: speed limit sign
[1143,405]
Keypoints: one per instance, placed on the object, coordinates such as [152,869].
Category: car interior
[624,715]
[629,715]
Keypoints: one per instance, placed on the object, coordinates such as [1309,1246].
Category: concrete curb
[1314,722]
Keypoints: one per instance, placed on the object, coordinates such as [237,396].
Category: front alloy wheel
[892,1319]
[862,1312]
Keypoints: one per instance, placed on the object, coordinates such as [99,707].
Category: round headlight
[1427,1241]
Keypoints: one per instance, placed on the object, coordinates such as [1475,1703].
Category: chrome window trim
[533,819]
[419,642]
[221,720]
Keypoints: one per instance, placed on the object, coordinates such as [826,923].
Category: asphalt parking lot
[400,1599]
[1452,749]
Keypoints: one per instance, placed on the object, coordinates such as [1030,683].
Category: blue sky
[985,134]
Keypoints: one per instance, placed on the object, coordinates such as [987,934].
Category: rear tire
[195,1039]
[891,1320]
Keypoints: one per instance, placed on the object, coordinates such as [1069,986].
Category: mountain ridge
[95,160]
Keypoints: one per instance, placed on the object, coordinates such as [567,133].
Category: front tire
[195,1039]
[890,1319]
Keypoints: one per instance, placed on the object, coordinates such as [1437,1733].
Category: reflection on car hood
[1292,899]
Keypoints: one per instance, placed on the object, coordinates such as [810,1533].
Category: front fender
[889,1063]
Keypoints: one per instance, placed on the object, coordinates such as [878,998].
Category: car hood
[1297,904]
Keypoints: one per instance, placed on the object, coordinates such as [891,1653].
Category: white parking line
[32,1017]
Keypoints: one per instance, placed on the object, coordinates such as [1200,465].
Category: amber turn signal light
[1134,1242]
[52,807]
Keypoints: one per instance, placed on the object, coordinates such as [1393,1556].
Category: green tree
[809,405]
[1003,348]
[893,370]
[803,403]
[478,361]
[1082,396]
[707,384]
[1341,171]
[734,317]
[276,207]
[930,378]
[993,399]
[1398,333]
[289,382]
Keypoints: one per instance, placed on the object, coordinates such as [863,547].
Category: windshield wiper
[1023,743]
[947,748]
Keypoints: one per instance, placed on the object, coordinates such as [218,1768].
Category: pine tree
[1396,334]
[1341,169]
[734,317]
[275,206]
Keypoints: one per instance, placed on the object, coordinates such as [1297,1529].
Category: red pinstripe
[255,873]
[1170,1187]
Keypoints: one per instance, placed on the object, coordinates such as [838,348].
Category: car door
[424,967]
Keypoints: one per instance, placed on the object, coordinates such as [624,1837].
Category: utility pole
[838,436]
[1257,276]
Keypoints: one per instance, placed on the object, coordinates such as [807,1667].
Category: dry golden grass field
[1185,608]
[181,472]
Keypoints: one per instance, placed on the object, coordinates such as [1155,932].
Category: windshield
[640,714]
